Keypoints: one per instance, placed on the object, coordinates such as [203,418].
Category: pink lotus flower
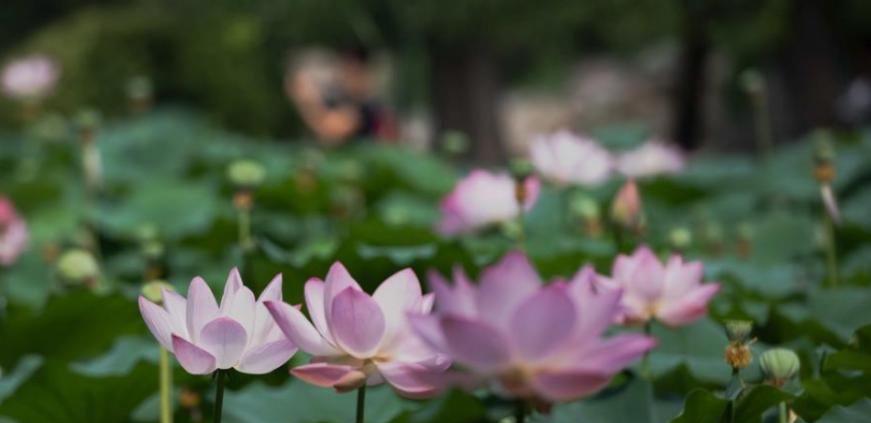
[565,158]
[529,340]
[671,293]
[30,77]
[650,159]
[358,339]
[13,233]
[483,199]
[204,337]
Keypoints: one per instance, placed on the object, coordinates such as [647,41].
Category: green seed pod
[455,142]
[752,81]
[680,237]
[78,266]
[153,291]
[88,119]
[779,365]
[738,330]
[584,206]
[246,173]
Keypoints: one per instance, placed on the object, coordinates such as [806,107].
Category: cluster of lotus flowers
[484,198]
[511,332]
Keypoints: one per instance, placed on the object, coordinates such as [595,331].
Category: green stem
[764,138]
[645,361]
[520,412]
[783,413]
[219,395]
[831,251]
[361,404]
[165,387]
[245,229]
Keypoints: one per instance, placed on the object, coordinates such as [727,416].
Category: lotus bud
[246,174]
[779,365]
[626,208]
[88,121]
[680,237]
[78,266]
[153,291]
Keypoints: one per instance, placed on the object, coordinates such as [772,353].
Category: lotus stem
[219,395]
[831,250]
[783,413]
[165,387]
[361,404]
[520,412]
[245,229]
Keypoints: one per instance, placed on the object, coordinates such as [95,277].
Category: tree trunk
[465,91]
[691,78]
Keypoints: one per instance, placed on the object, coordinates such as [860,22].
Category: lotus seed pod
[738,330]
[752,81]
[455,142]
[153,291]
[88,120]
[78,266]
[246,173]
[139,88]
[584,206]
[779,365]
[680,237]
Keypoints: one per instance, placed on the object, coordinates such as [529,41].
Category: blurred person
[341,106]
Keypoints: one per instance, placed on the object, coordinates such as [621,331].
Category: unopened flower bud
[78,266]
[779,365]
[139,89]
[246,174]
[88,121]
[626,208]
[153,291]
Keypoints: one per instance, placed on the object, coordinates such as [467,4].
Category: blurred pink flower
[358,339]
[650,159]
[565,158]
[483,199]
[529,340]
[238,334]
[13,233]
[671,293]
[30,77]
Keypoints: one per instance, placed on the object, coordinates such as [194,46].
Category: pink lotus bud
[357,339]
[626,208]
[670,292]
[205,337]
[526,339]
[13,233]
[483,199]
[565,158]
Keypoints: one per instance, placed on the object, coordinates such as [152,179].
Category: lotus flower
[671,293]
[565,158]
[650,159]
[357,339]
[529,340]
[13,233]
[485,198]
[204,336]
[30,77]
